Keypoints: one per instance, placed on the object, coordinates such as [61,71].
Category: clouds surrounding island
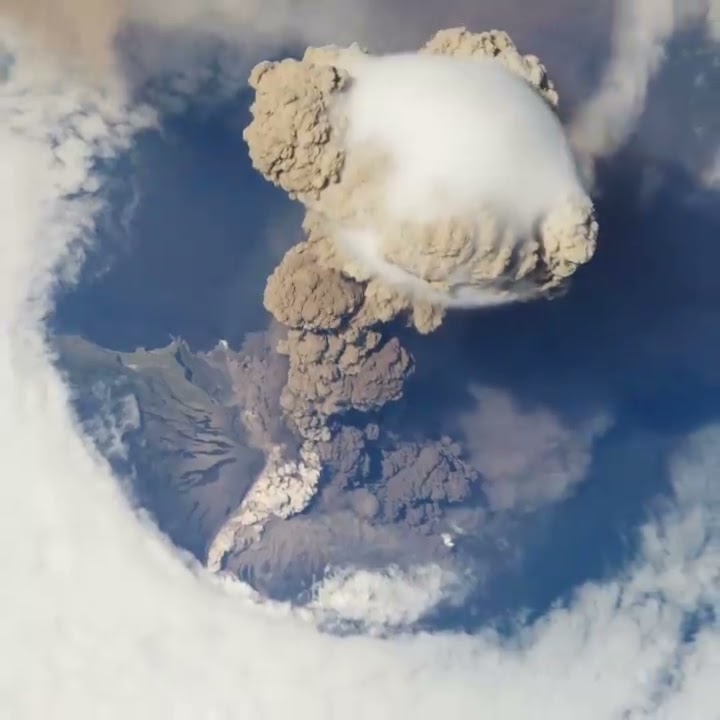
[102,617]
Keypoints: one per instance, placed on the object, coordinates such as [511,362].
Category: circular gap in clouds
[182,252]
[191,214]
[117,640]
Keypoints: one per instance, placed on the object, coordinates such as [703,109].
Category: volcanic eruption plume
[431,180]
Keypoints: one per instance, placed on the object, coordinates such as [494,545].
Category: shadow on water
[192,257]
[639,330]
[639,326]
[638,334]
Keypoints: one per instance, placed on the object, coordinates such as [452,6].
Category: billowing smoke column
[431,180]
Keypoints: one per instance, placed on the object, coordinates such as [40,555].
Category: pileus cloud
[444,175]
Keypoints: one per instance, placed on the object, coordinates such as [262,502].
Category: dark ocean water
[193,234]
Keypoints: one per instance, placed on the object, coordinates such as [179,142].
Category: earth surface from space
[531,440]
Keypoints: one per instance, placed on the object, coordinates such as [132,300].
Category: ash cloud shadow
[638,333]
[638,326]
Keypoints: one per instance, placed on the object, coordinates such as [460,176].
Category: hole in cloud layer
[191,241]
[593,594]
